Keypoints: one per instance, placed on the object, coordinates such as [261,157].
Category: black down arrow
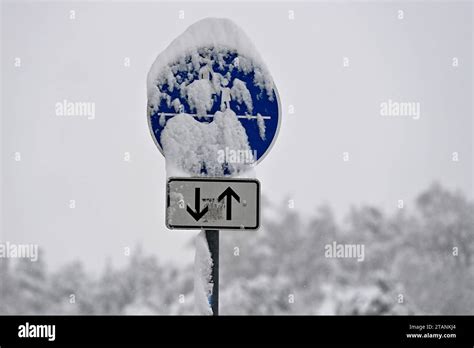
[229,193]
[198,214]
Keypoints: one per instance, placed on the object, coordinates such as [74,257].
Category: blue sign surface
[240,89]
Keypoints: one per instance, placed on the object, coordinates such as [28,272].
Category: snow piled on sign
[199,94]
[183,143]
[240,93]
[219,34]
[192,68]
[202,275]
[261,126]
[162,120]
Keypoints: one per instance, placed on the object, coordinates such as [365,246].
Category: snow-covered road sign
[213,108]
[213,203]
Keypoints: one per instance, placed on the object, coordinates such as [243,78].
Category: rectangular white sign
[213,203]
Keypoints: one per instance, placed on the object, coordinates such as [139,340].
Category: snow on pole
[202,275]
[212,237]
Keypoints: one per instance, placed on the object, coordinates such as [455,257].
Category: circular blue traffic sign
[211,80]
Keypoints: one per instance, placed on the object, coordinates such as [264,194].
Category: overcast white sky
[120,204]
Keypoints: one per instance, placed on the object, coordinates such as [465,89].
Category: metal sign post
[212,237]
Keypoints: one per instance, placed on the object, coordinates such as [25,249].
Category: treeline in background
[411,266]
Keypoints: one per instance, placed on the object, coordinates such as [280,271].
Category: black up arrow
[198,214]
[229,193]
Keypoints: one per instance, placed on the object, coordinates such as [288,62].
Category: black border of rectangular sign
[185,227]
